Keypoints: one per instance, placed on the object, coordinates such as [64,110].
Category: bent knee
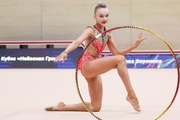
[120,59]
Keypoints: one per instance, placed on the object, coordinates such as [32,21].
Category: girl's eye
[101,16]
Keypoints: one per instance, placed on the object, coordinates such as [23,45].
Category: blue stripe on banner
[44,58]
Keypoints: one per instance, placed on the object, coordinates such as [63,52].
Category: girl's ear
[94,16]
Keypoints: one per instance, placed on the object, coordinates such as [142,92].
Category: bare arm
[86,34]
[115,51]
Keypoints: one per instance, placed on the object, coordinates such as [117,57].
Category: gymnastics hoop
[135,27]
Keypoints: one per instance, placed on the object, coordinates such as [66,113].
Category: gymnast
[91,64]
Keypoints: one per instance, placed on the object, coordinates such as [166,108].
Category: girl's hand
[139,39]
[61,58]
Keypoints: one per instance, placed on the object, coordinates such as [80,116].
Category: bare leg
[70,107]
[131,97]
[93,68]
[95,91]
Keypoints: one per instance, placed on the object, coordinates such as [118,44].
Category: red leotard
[94,50]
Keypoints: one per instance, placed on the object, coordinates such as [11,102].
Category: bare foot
[134,101]
[59,107]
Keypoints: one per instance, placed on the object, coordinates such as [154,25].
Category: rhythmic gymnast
[91,65]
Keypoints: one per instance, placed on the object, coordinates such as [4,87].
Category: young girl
[91,65]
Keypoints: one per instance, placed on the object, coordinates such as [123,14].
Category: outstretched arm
[63,56]
[113,48]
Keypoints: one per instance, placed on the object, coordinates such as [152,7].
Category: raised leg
[102,65]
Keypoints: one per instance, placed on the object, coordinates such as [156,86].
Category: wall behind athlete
[65,20]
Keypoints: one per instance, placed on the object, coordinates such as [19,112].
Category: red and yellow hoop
[140,28]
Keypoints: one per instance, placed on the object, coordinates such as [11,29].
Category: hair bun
[99,5]
[99,2]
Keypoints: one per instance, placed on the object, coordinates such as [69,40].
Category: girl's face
[101,16]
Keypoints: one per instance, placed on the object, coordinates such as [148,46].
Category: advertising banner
[44,58]
[155,60]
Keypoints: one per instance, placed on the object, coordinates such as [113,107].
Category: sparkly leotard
[94,49]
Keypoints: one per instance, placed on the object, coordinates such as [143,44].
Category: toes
[52,108]
[49,108]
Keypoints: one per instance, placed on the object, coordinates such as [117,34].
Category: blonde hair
[99,5]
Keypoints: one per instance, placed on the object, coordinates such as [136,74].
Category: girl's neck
[99,27]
